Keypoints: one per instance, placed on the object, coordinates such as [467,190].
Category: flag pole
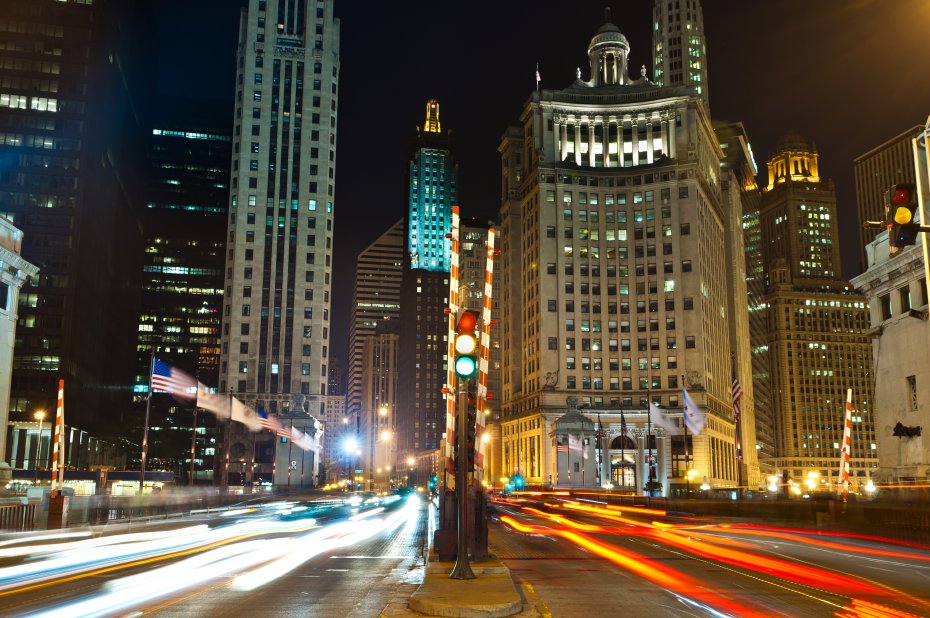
[193,445]
[145,431]
[228,438]
[684,424]
[738,425]
[649,439]
[623,450]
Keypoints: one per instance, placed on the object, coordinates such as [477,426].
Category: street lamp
[689,476]
[39,416]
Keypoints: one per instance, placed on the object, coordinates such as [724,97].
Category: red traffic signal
[468,322]
[900,210]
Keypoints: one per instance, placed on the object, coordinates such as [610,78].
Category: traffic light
[900,208]
[466,345]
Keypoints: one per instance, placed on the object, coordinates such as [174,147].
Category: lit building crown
[431,125]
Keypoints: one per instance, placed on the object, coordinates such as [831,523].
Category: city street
[259,564]
[573,559]
[567,558]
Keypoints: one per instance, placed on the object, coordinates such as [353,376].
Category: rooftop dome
[793,141]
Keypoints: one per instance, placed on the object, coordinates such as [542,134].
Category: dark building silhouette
[71,107]
[189,149]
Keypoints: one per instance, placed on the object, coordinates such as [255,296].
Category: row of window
[596,345]
[609,199]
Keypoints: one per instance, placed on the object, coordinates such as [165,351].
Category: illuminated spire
[432,117]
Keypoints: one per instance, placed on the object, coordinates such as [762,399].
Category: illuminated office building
[375,303]
[875,171]
[70,143]
[679,49]
[817,339]
[432,191]
[614,288]
[280,228]
[182,278]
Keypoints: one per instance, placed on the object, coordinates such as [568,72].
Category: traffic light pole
[462,568]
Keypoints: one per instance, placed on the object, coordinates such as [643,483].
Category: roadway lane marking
[337,570]
[387,557]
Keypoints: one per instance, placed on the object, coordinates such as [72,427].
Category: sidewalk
[492,594]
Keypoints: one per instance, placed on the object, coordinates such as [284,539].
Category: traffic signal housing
[900,210]
[470,429]
[466,345]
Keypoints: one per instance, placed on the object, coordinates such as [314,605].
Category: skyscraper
[279,241]
[613,223]
[70,142]
[817,342]
[376,302]
[875,171]
[740,196]
[432,191]
[182,280]
[679,49]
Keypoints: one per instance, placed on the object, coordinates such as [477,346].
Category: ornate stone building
[614,286]
[817,340]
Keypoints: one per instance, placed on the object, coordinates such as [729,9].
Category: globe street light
[39,415]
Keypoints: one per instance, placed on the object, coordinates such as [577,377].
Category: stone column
[642,467]
[605,142]
[649,140]
[577,142]
[635,140]
[592,127]
[620,155]
[556,139]
[672,145]
[563,142]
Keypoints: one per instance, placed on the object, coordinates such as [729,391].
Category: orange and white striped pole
[57,451]
[450,391]
[845,451]
[483,362]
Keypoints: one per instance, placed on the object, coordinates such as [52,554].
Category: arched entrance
[623,455]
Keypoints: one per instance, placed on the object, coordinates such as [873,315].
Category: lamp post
[39,416]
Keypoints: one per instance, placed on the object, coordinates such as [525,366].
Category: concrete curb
[492,594]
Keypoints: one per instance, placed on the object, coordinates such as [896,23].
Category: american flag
[167,379]
[561,448]
[736,394]
[269,422]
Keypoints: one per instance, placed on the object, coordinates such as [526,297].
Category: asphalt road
[252,566]
[585,562]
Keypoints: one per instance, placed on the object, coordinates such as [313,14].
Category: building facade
[740,196]
[875,171]
[334,429]
[280,225]
[14,272]
[432,192]
[379,401]
[818,343]
[614,288]
[182,279]
[896,289]
[679,48]
[375,303]
[70,141]
[473,263]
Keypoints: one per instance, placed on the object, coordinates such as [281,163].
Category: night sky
[846,74]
